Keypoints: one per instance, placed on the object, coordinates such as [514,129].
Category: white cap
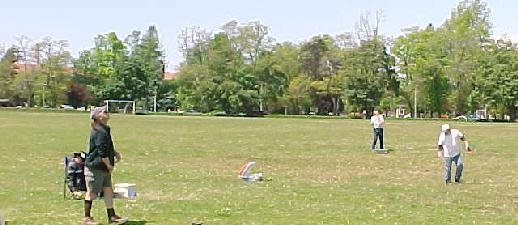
[445,127]
[96,111]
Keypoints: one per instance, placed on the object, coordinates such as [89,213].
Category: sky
[289,20]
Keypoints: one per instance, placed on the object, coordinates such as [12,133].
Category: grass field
[322,172]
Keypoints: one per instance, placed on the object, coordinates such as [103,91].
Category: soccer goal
[120,106]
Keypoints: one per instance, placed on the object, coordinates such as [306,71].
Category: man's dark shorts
[96,180]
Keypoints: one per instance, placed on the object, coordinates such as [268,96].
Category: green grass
[322,172]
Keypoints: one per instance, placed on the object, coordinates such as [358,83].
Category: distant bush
[355,115]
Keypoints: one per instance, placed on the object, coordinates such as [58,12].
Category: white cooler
[125,190]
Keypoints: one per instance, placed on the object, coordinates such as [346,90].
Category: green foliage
[96,67]
[436,89]
[454,69]
[7,73]
[368,71]
[298,94]
[498,85]
[167,98]
[462,36]
[130,70]
[319,60]
[442,65]
[233,73]
[51,73]
[271,83]
[315,57]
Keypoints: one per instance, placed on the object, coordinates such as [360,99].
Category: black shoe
[458,181]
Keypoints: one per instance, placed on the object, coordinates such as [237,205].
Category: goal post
[120,106]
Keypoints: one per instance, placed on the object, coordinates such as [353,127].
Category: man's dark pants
[378,133]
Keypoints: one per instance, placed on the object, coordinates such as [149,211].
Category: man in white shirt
[377,123]
[448,149]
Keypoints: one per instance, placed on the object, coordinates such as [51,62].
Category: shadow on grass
[383,151]
[135,222]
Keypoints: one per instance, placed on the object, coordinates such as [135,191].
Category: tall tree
[298,94]
[462,36]
[25,80]
[314,57]
[255,43]
[368,71]
[192,43]
[270,82]
[131,69]
[151,59]
[7,73]
[498,85]
[78,94]
[285,59]
[55,65]
[367,28]
[319,60]
[254,39]
[421,64]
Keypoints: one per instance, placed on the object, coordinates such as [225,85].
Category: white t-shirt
[450,144]
[377,121]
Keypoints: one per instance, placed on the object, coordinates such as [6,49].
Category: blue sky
[80,21]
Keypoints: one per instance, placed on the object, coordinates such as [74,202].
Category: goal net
[120,106]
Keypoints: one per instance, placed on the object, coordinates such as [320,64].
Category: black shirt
[101,140]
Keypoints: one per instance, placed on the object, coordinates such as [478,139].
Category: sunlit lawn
[321,171]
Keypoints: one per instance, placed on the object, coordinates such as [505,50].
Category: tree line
[455,68]
[44,73]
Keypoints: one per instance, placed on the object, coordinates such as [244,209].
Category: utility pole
[261,97]
[43,91]
[154,105]
[156,94]
[415,103]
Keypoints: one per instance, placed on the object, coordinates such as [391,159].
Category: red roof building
[170,76]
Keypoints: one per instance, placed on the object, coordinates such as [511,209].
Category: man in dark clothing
[101,141]
[76,177]
[99,166]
